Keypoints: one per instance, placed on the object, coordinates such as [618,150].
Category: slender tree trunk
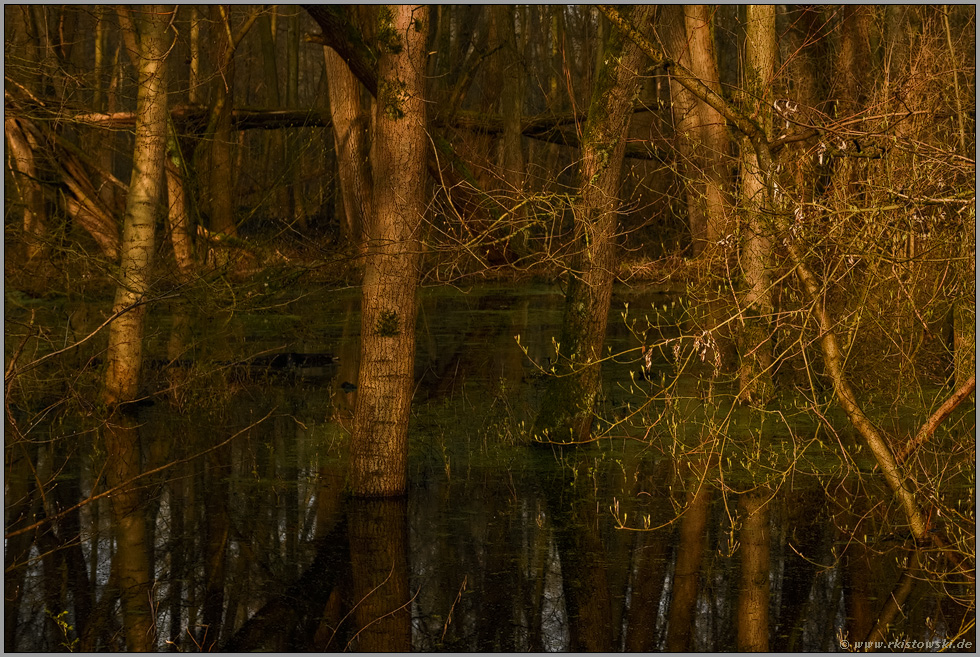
[125,351]
[570,398]
[379,450]
[351,124]
[715,140]
[178,219]
[687,124]
[755,372]
[510,158]
[221,187]
[28,187]
[194,75]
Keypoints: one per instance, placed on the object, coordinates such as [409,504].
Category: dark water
[238,534]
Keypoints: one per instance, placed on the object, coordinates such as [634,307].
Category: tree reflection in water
[226,532]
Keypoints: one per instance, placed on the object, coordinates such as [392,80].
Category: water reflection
[227,526]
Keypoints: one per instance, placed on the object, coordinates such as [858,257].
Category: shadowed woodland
[504,328]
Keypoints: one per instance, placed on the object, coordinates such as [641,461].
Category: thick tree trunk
[379,450]
[569,401]
[125,351]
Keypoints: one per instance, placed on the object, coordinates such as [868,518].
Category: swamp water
[231,530]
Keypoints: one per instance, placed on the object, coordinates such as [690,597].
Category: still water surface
[238,535]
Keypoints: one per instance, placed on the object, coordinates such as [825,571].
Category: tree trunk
[379,450]
[28,187]
[125,350]
[221,188]
[755,372]
[178,219]
[714,129]
[569,400]
[687,124]
[351,124]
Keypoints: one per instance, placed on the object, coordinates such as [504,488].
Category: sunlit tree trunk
[379,449]
[125,352]
[351,123]
[753,590]
[714,129]
[757,242]
[570,398]
[194,74]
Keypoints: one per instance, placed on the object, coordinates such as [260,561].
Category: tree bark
[687,124]
[351,125]
[379,450]
[567,411]
[221,187]
[28,187]
[125,350]
[755,371]
[178,219]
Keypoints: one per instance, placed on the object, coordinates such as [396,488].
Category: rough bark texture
[125,351]
[568,405]
[379,449]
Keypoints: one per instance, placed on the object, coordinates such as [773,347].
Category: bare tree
[142,206]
